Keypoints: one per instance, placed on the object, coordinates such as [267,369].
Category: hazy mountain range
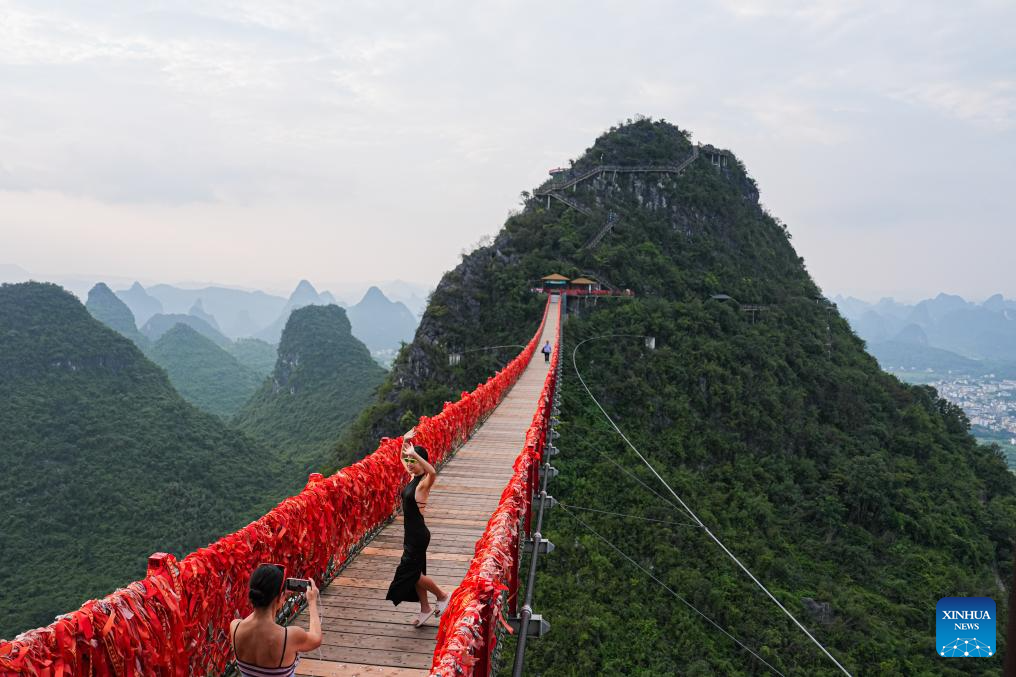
[227,303]
[216,372]
[223,315]
[944,332]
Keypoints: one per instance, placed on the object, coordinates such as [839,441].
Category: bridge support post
[547,473]
[538,625]
[523,623]
[544,546]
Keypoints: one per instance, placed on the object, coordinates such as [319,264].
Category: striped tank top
[251,670]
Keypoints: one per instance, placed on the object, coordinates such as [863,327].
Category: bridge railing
[175,621]
[467,635]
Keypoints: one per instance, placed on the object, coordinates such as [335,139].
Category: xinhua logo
[965,627]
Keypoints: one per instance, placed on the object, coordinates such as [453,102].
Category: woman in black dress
[411,582]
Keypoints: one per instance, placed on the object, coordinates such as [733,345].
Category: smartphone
[297,584]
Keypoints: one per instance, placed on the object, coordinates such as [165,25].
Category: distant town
[989,401]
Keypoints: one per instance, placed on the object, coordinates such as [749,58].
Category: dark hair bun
[422,451]
[265,585]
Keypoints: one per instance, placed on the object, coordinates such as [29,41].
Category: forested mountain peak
[683,236]
[317,344]
[203,372]
[322,379]
[107,308]
[47,329]
[861,499]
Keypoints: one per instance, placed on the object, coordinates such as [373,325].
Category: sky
[257,143]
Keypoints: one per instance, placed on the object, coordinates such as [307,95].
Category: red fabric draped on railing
[466,637]
[175,620]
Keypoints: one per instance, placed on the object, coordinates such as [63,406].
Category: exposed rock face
[820,611]
[455,294]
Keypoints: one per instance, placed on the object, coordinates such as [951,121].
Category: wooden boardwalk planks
[364,634]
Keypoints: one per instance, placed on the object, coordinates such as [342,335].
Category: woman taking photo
[411,583]
[262,647]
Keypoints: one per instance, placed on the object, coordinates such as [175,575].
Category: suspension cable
[637,517]
[685,505]
[473,350]
[668,589]
[636,478]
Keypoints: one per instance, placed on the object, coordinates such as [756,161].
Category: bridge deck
[364,634]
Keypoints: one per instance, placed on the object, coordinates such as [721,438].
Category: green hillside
[858,500]
[106,463]
[202,372]
[322,380]
[255,354]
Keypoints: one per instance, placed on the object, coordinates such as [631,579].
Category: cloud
[365,123]
[990,104]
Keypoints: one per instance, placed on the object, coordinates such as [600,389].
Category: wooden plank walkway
[364,634]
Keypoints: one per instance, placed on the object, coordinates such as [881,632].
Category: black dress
[414,548]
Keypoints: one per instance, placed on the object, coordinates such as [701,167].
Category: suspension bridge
[491,448]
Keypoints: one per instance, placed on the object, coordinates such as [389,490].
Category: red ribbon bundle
[175,622]
[466,636]
[136,630]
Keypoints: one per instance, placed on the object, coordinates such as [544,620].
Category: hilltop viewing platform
[555,283]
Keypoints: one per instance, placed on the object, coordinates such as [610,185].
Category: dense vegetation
[858,499]
[106,463]
[255,354]
[322,380]
[202,372]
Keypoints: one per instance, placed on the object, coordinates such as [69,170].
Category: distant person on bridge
[411,582]
[262,647]
[546,350]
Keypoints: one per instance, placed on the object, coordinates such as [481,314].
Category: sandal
[422,618]
[442,604]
